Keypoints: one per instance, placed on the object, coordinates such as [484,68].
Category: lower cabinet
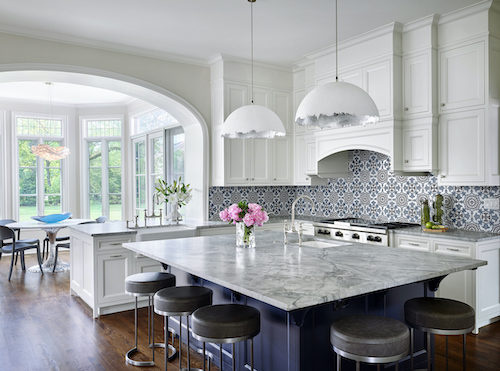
[99,266]
[479,288]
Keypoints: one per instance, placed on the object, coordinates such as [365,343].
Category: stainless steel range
[357,230]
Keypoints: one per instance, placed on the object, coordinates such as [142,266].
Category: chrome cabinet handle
[413,244]
[116,243]
[452,249]
[116,256]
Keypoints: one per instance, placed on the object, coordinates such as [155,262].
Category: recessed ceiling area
[62,93]
[285,30]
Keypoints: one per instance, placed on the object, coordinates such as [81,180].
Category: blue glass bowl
[52,218]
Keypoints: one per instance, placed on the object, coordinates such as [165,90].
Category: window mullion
[40,184]
[105,178]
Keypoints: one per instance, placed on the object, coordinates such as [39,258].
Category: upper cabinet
[250,161]
[462,77]
[417,83]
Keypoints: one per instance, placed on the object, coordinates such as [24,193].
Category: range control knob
[369,238]
[355,236]
[339,234]
[377,239]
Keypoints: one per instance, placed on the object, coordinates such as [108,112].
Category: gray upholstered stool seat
[370,336]
[438,313]
[148,283]
[439,316]
[182,299]
[227,323]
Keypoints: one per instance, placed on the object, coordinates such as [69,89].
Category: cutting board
[440,230]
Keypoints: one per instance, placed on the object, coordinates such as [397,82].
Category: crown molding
[101,45]
[221,57]
[464,12]
[370,35]
[421,22]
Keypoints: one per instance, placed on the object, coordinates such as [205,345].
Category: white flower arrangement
[176,193]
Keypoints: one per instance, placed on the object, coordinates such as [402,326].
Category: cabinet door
[259,157]
[236,157]
[462,77]
[300,160]
[461,143]
[282,107]
[112,269]
[311,164]
[378,85]
[458,286]
[354,77]
[416,81]
[416,144]
[281,160]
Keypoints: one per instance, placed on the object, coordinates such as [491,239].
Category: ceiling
[285,30]
[62,93]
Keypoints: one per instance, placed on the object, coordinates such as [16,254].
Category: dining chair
[4,222]
[14,248]
[67,245]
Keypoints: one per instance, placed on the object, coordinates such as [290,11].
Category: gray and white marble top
[459,234]
[292,277]
[104,229]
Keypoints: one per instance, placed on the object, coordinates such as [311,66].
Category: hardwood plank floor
[42,327]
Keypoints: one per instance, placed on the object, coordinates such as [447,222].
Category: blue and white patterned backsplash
[370,192]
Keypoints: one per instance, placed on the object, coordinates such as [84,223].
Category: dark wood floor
[42,327]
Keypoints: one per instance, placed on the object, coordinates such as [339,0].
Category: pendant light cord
[251,41]
[336,43]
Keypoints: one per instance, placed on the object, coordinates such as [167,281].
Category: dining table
[51,229]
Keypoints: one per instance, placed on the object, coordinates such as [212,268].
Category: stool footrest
[172,352]
[130,361]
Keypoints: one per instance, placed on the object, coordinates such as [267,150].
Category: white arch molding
[194,125]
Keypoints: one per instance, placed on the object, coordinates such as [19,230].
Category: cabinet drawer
[412,243]
[452,247]
[112,244]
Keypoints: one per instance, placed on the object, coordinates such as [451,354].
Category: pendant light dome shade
[252,121]
[335,105]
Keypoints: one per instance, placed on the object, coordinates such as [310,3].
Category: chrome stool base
[172,352]
[130,361]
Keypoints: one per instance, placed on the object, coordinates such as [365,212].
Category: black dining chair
[67,245]
[15,247]
[4,222]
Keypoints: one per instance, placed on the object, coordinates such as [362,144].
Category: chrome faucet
[291,228]
[153,215]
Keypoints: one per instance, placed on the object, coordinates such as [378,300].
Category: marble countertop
[291,278]
[458,234]
[104,229]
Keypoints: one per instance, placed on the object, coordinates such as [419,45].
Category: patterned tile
[370,192]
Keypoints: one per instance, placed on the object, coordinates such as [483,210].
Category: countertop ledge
[457,234]
[292,278]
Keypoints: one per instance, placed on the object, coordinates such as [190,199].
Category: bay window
[103,157]
[40,181]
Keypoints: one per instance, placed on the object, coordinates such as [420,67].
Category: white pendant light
[253,120]
[336,104]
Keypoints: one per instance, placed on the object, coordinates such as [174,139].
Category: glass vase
[175,215]
[245,236]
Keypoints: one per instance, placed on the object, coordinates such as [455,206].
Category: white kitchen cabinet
[377,82]
[305,165]
[237,156]
[462,148]
[479,288]
[417,83]
[259,161]
[310,153]
[419,146]
[281,161]
[144,264]
[112,269]
[462,76]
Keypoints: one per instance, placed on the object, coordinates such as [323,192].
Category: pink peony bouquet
[249,213]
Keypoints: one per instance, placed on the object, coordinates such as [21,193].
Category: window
[40,181]
[158,154]
[104,168]
[154,119]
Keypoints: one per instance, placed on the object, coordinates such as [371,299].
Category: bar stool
[369,339]
[147,284]
[181,301]
[439,316]
[226,323]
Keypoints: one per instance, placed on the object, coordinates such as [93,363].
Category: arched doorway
[195,128]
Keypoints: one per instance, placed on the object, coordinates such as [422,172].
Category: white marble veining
[289,277]
[458,234]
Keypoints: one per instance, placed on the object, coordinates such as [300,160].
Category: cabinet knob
[443,176]
[307,178]
[253,178]
[443,104]
[406,161]
[247,178]
[275,179]
[406,108]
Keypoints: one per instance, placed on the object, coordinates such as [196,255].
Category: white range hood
[333,146]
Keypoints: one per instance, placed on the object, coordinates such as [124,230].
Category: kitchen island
[300,290]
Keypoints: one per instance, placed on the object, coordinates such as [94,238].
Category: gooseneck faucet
[290,228]
[293,208]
